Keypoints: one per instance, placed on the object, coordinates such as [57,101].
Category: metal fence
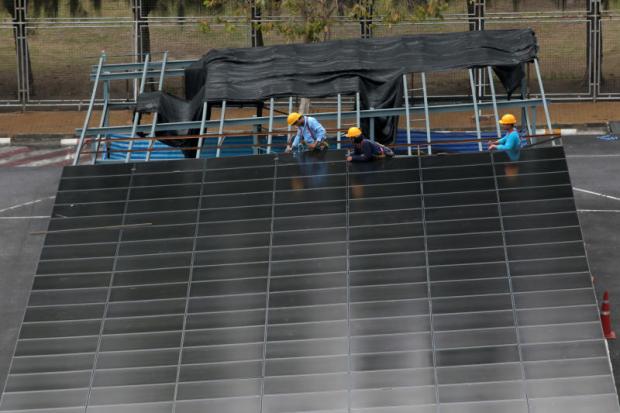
[45,55]
[609,81]
[8,65]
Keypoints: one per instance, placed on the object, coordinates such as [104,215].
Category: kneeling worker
[365,150]
[309,131]
[511,142]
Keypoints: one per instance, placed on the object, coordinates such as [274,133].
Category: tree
[312,21]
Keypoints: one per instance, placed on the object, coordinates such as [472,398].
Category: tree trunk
[341,8]
[181,9]
[145,39]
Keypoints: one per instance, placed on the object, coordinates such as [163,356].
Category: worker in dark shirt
[365,150]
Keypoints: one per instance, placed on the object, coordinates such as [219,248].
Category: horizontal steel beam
[134,70]
[155,64]
[138,74]
[375,113]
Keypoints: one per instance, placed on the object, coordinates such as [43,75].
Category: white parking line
[608,155]
[27,203]
[596,193]
[33,217]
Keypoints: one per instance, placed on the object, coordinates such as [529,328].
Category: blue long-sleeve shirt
[511,143]
[310,131]
[364,151]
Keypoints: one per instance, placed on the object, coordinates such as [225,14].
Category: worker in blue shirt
[365,150]
[511,142]
[309,132]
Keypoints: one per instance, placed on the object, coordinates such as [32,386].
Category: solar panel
[301,283]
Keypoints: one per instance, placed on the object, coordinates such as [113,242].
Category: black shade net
[372,67]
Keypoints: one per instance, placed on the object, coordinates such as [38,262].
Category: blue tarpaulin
[163,151]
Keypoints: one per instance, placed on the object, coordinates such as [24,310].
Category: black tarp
[373,67]
[170,109]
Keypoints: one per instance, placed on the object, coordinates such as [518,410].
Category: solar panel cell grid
[303,283]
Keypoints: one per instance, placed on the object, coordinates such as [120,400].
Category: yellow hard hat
[292,118]
[354,132]
[508,119]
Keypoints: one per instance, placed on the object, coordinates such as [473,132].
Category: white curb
[564,132]
[571,131]
[68,142]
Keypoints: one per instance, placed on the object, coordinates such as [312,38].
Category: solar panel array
[301,283]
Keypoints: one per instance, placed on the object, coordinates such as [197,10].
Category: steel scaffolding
[160,70]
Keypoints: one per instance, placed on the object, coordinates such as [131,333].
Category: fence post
[475,11]
[21,51]
[138,24]
[594,52]
[598,48]
[256,34]
[366,19]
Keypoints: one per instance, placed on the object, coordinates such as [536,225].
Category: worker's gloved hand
[288,149]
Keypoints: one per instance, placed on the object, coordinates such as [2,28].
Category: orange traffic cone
[606,318]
